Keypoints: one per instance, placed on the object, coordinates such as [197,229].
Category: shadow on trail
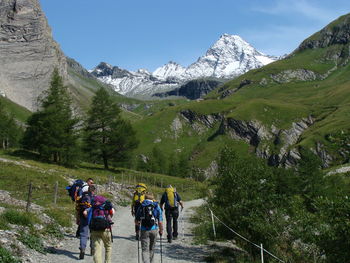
[130,238]
[67,253]
[179,252]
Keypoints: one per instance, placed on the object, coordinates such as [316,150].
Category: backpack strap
[90,212]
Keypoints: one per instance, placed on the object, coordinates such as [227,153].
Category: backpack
[149,215]
[75,191]
[139,194]
[99,218]
[171,197]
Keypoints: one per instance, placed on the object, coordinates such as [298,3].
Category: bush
[3,223]
[6,256]
[53,230]
[32,241]
[61,216]
[19,218]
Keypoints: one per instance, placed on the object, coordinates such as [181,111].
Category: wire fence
[213,216]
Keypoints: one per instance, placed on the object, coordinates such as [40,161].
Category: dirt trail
[125,245]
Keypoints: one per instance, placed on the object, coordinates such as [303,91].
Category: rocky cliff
[28,54]
[193,89]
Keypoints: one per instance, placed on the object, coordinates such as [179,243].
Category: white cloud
[277,40]
[308,9]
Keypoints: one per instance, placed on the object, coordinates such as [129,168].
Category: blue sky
[135,34]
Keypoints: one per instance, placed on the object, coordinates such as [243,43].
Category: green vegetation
[33,241]
[10,132]
[7,257]
[53,230]
[20,218]
[107,137]
[19,112]
[51,131]
[310,82]
[300,216]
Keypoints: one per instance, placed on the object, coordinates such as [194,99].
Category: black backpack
[148,218]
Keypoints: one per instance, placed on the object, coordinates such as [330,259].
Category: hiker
[100,221]
[171,199]
[138,197]
[83,225]
[149,216]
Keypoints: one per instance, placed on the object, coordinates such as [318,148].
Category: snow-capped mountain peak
[229,57]
[169,70]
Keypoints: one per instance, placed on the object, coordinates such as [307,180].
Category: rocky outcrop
[277,146]
[192,90]
[295,75]
[326,158]
[338,32]
[261,137]
[253,132]
[205,121]
[78,68]
[28,54]
[229,92]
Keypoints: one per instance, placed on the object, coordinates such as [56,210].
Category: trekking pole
[183,224]
[161,249]
[138,244]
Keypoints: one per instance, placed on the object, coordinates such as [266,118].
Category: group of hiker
[94,219]
[95,212]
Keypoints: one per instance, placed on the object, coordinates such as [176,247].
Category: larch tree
[107,137]
[52,129]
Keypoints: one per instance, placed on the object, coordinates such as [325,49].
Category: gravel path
[125,245]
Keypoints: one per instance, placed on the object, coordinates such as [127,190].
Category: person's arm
[138,215]
[180,201]
[162,201]
[160,221]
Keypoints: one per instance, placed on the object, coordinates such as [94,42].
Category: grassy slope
[16,110]
[15,178]
[273,103]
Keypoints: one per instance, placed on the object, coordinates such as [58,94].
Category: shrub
[61,216]
[3,223]
[53,230]
[32,241]
[6,256]
[19,218]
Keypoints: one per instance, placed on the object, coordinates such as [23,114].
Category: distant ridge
[229,57]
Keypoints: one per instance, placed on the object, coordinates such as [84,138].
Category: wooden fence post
[55,193]
[29,200]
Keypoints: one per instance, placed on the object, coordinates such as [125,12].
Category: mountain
[193,89]
[229,57]
[300,101]
[28,54]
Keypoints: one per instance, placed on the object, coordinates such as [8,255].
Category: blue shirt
[157,212]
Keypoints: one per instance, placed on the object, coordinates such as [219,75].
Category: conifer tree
[107,136]
[52,130]
[9,130]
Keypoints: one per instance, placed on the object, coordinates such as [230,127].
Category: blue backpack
[75,191]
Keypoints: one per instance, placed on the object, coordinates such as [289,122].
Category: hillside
[302,100]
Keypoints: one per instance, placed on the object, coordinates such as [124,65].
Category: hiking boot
[82,254]
[77,233]
[169,240]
